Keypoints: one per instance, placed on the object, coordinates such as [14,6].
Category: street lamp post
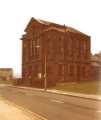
[45,69]
[45,76]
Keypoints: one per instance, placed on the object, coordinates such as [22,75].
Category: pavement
[80,95]
[10,111]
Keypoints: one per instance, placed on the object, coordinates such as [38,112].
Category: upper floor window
[61,46]
[70,47]
[36,47]
[84,45]
[25,50]
[77,46]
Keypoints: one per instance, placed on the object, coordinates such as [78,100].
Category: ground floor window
[60,69]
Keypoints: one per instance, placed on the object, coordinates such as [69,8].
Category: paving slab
[9,111]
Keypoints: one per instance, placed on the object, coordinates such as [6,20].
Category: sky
[84,15]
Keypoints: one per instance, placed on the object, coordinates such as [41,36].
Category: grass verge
[89,87]
[5,82]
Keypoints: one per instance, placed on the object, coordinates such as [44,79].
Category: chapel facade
[54,52]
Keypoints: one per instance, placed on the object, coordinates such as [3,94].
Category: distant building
[96,66]
[54,52]
[6,73]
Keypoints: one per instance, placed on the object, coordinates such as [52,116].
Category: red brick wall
[67,56]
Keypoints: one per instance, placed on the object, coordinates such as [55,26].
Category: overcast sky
[84,15]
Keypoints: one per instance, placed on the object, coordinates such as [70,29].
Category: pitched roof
[43,21]
[55,26]
[64,29]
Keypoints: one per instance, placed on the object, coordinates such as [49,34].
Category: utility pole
[45,68]
[45,74]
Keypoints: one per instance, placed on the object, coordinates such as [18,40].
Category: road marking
[98,111]
[57,101]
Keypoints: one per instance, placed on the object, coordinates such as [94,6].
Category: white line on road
[57,101]
[99,111]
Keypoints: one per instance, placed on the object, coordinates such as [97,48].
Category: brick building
[96,66]
[54,52]
[6,73]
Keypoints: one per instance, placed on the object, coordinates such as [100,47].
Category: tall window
[70,47]
[31,47]
[25,50]
[82,70]
[78,70]
[71,70]
[61,47]
[84,48]
[33,44]
[84,45]
[36,47]
[60,69]
[77,48]
[49,48]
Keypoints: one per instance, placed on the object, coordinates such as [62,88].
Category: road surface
[53,106]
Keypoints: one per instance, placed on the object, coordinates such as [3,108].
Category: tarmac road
[53,106]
